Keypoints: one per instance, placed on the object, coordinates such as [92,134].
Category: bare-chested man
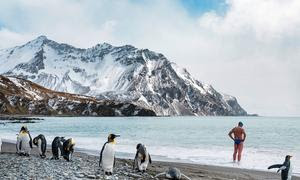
[238,138]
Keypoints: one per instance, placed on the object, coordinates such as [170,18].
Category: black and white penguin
[142,158]
[41,143]
[24,142]
[57,147]
[285,168]
[173,173]
[0,145]
[107,155]
[68,149]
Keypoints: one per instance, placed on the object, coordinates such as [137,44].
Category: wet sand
[84,166]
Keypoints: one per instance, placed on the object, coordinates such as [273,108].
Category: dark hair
[241,124]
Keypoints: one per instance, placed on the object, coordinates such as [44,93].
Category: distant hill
[18,96]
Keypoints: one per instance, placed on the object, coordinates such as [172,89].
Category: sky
[246,48]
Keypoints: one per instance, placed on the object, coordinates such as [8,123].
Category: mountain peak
[42,38]
[104,45]
[39,41]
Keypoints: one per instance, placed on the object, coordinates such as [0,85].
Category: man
[238,137]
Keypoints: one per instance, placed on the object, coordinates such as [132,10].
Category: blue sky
[198,7]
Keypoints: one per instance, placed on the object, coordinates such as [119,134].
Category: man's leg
[240,149]
[235,152]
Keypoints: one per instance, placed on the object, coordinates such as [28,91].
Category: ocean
[201,140]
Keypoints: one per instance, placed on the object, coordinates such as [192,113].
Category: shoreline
[89,166]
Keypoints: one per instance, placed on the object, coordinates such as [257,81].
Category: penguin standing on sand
[285,168]
[57,147]
[41,143]
[68,149]
[173,173]
[0,145]
[107,155]
[142,158]
[24,142]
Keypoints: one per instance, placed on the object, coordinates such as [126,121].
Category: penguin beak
[118,136]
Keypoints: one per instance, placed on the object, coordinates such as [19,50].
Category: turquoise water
[201,140]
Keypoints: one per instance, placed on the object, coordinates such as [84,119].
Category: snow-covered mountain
[19,96]
[124,73]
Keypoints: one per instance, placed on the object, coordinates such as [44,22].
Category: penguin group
[141,161]
[65,148]
[60,146]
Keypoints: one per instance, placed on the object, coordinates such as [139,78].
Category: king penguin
[57,147]
[285,168]
[0,145]
[68,147]
[107,155]
[24,142]
[173,173]
[142,158]
[41,143]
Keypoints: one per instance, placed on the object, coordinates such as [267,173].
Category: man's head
[240,124]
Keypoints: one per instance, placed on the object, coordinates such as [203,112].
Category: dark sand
[85,166]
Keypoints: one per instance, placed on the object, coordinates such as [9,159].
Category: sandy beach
[84,166]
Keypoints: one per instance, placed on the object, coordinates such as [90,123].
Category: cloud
[251,51]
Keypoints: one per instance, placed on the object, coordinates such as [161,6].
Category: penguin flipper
[160,174]
[281,168]
[275,166]
[135,160]
[102,153]
[30,141]
[150,160]
[114,161]
[185,177]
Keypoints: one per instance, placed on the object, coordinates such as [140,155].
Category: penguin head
[288,157]
[138,146]
[24,129]
[111,137]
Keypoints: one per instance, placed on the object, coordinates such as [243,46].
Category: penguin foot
[108,173]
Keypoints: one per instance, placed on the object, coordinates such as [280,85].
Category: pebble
[82,167]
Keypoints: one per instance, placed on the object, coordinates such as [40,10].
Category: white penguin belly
[25,147]
[0,145]
[143,166]
[108,155]
[40,146]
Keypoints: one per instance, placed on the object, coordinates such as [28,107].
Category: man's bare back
[238,133]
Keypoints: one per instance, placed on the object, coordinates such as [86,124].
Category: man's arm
[230,134]
[244,135]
